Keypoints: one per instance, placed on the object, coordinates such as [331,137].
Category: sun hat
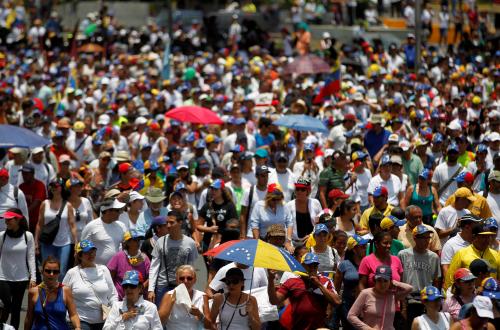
[155,195]
[276,230]
[114,205]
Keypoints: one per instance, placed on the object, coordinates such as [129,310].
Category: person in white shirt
[17,264]
[133,312]
[8,198]
[448,217]
[493,198]
[80,143]
[387,179]
[443,176]
[359,190]
[14,165]
[44,171]
[282,175]
[106,232]
[254,278]
[459,241]
[336,138]
[91,286]
[308,168]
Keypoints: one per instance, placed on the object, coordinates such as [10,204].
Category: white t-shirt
[441,175]
[85,284]
[107,238]
[448,219]
[14,254]
[86,215]
[259,277]
[451,248]
[359,190]
[286,181]
[337,137]
[494,204]
[393,185]
[63,236]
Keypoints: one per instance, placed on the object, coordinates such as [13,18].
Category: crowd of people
[392,211]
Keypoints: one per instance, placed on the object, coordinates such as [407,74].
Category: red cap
[463,274]
[155,126]
[10,215]
[337,193]
[4,173]
[124,168]
[469,178]
[108,130]
[273,187]
[357,164]
[350,116]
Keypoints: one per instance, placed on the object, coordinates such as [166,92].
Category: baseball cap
[262,169]
[491,223]
[115,205]
[463,274]
[212,138]
[466,177]
[181,165]
[281,155]
[479,266]
[431,293]
[124,168]
[355,240]
[420,230]
[274,188]
[390,221]
[132,234]
[218,184]
[405,145]
[134,195]
[261,153]
[465,193]
[85,246]
[490,288]
[12,215]
[481,148]
[483,306]
[438,138]
[158,221]
[319,228]
[237,148]
[309,147]
[425,174]
[28,168]
[200,144]
[276,230]
[383,272]
[358,155]
[310,258]
[386,159]
[469,217]
[132,277]
[396,159]
[393,138]
[337,193]
[79,126]
[452,147]
[64,158]
[481,229]
[380,191]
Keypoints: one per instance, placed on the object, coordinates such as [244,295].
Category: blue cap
[383,272]
[420,230]
[58,134]
[291,141]
[453,147]
[240,120]
[386,159]
[131,277]
[309,147]
[438,138]
[321,227]
[84,246]
[310,258]
[158,221]
[379,191]
[491,223]
[425,174]
[430,293]
[97,142]
[490,288]
[200,144]
[261,153]
[180,186]
[190,137]
[153,165]
[482,148]
[218,184]
[237,148]
[146,146]
[174,122]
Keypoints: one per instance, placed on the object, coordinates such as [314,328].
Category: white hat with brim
[115,205]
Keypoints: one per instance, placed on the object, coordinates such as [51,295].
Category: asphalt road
[201,283]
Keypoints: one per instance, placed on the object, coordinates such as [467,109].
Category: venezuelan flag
[332,85]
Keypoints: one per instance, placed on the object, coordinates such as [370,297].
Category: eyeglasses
[184,278]
[233,281]
[129,286]
[52,271]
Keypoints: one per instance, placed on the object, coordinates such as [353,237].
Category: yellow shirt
[363,222]
[479,207]
[147,185]
[465,256]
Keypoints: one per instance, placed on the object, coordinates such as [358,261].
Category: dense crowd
[392,210]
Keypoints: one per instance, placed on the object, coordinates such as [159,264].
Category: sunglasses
[230,281]
[129,286]
[52,271]
[188,278]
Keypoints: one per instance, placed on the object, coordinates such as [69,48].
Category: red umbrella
[194,114]
[307,64]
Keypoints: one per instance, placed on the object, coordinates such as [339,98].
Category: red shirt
[33,191]
[307,303]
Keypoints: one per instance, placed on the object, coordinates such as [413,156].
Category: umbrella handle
[251,284]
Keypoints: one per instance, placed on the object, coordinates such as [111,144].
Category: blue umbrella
[302,123]
[15,136]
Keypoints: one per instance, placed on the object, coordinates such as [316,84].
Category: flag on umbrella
[332,85]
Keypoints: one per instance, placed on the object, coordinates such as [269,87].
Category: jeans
[160,292]
[61,253]
[88,326]
[12,294]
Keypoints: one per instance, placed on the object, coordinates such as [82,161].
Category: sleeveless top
[56,311]
[425,323]
[233,317]
[425,203]
[63,236]
[181,319]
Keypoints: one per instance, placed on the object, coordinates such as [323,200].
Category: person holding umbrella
[309,295]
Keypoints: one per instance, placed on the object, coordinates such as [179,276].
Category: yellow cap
[465,193]
[476,100]
[79,126]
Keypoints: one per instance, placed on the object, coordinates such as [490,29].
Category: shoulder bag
[49,230]
[105,308]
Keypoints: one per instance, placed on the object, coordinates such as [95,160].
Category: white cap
[357,96]
[37,150]
[134,195]
[116,204]
[483,306]
[104,119]
[329,152]
[326,35]
[493,137]
[454,125]
[105,81]
[394,138]
[88,100]
[405,145]
[423,102]
[311,139]
[140,121]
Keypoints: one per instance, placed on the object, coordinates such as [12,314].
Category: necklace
[136,259]
[48,290]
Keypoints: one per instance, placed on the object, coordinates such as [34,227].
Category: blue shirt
[262,217]
[146,218]
[264,140]
[374,142]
